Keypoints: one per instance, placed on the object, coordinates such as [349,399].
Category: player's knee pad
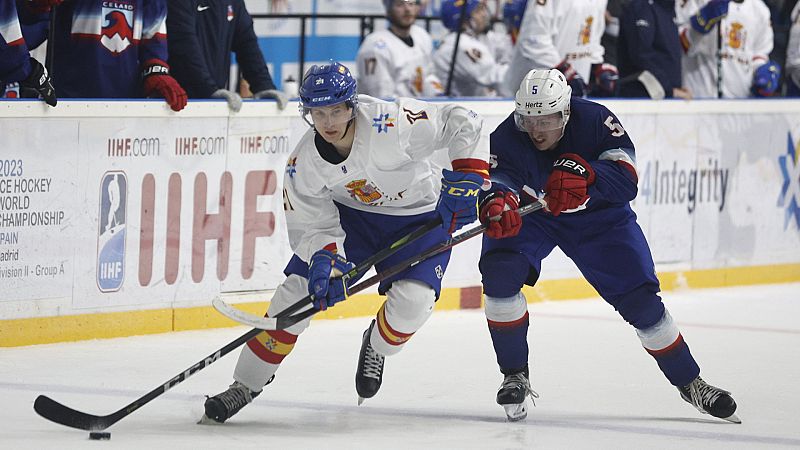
[641,307]
[409,303]
[504,272]
[660,335]
[408,306]
[505,309]
[293,288]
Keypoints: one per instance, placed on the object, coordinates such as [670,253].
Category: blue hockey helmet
[327,85]
[513,11]
[451,12]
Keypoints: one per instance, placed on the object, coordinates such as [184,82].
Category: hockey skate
[512,393]
[369,372]
[709,399]
[224,405]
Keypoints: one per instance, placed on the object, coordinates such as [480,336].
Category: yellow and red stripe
[389,334]
[472,165]
[272,346]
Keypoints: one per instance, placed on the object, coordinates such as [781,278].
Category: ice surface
[598,388]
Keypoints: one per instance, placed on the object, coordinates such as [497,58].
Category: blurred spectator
[742,31]
[565,35]
[107,49]
[513,11]
[396,62]
[793,56]
[476,73]
[650,51]
[614,11]
[16,65]
[202,35]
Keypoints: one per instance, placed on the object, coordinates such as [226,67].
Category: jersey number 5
[616,128]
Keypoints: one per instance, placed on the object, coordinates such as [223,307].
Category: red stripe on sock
[513,323]
[678,342]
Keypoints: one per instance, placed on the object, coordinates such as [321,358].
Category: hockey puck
[100,435]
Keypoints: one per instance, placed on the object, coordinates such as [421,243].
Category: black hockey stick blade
[64,415]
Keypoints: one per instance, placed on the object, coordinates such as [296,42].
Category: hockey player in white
[396,62]
[476,72]
[358,180]
[563,34]
[746,36]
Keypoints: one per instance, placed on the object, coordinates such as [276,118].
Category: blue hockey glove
[710,15]
[766,79]
[458,201]
[327,291]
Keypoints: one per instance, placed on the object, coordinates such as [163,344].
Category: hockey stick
[64,415]
[280,323]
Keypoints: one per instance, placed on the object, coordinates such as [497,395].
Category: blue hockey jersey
[593,132]
[101,47]
[14,58]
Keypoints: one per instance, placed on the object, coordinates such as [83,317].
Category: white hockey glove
[278,96]
[233,99]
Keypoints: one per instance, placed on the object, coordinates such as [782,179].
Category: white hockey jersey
[553,30]
[387,67]
[476,73]
[390,169]
[746,44]
[793,49]
[500,44]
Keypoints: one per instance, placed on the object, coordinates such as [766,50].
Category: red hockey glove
[604,77]
[499,214]
[157,80]
[574,79]
[567,187]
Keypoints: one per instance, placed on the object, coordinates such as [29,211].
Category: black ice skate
[224,405]
[709,399]
[512,393]
[369,372]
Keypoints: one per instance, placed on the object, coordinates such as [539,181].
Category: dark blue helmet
[327,84]
[451,12]
[512,14]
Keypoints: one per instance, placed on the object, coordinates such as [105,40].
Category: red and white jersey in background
[746,44]
[388,67]
[553,30]
[476,73]
[392,167]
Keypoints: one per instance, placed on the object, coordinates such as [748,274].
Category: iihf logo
[111,234]
[790,191]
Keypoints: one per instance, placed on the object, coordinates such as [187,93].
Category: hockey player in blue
[16,65]
[106,49]
[574,155]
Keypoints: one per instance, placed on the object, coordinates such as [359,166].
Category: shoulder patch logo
[291,167]
[383,122]
[412,116]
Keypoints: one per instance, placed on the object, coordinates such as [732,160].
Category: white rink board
[711,185]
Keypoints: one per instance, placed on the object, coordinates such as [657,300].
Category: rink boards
[126,218]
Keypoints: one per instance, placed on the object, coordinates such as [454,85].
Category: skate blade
[733,418]
[205,420]
[360,400]
[516,411]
